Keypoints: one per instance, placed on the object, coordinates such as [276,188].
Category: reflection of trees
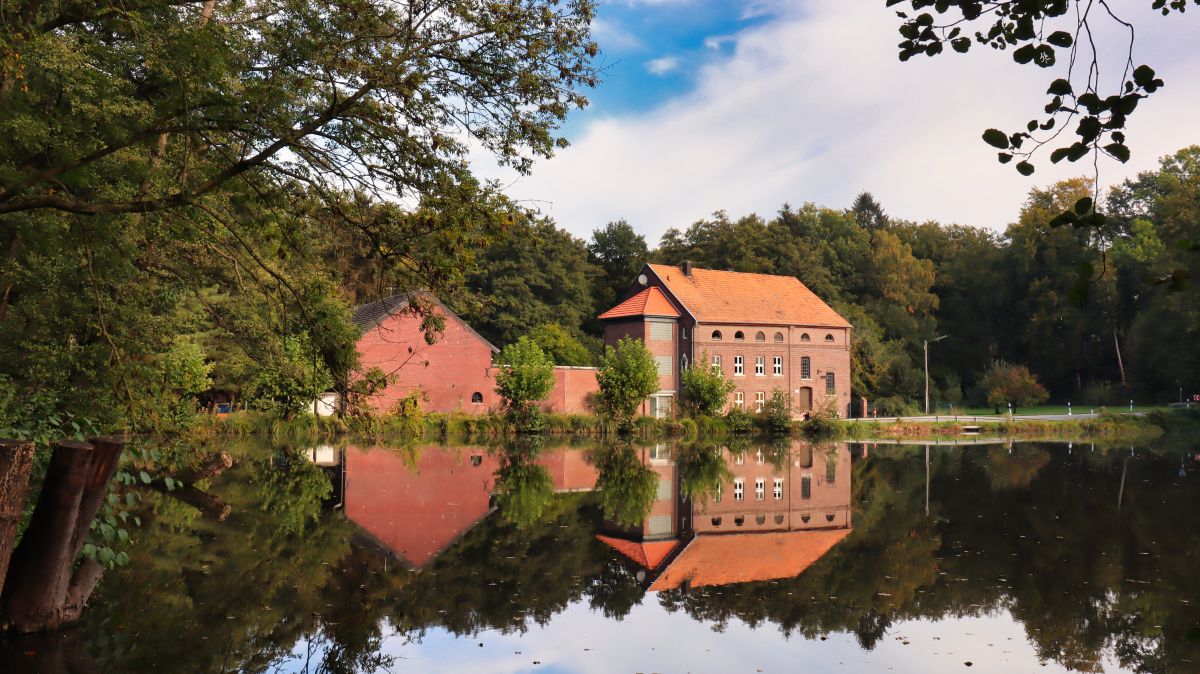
[524,489]
[293,489]
[702,469]
[626,486]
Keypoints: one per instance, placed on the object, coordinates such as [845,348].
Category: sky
[744,105]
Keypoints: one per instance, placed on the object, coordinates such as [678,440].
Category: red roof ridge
[648,554]
[727,559]
[649,302]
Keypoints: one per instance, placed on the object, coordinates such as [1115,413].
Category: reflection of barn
[418,505]
[768,521]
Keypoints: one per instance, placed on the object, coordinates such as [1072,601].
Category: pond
[771,557]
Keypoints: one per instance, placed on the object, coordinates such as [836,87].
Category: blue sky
[743,105]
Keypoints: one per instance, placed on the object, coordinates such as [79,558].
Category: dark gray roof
[367,316]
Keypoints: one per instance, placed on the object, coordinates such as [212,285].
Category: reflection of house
[765,523]
[453,374]
[764,332]
[420,508]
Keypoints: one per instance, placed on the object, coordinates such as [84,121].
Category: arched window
[716,335]
[716,521]
[805,518]
[760,337]
[779,338]
[805,338]
[477,460]
[760,519]
[739,336]
[779,519]
[477,397]
[829,337]
[739,521]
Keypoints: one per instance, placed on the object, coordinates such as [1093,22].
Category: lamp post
[927,343]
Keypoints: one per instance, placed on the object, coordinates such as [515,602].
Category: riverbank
[1114,428]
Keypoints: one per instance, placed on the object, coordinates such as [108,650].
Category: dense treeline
[1099,315]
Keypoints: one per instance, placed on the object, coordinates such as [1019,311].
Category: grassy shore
[443,427]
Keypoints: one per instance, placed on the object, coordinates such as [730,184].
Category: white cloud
[817,107]
[611,35]
[662,65]
[718,41]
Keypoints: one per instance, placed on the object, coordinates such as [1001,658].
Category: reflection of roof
[742,558]
[713,296]
[649,302]
[648,555]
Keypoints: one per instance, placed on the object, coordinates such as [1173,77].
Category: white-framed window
[738,489]
[760,489]
[778,492]
[806,367]
[716,364]
[778,365]
[760,366]
[739,399]
[660,331]
[740,459]
[760,399]
[664,365]
[758,457]
[738,368]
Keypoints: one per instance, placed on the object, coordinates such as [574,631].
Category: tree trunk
[210,466]
[16,459]
[208,504]
[104,464]
[58,652]
[40,573]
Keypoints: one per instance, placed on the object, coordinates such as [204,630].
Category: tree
[562,347]
[778,411]
[1006,383]
[627,376]
[620,252]
[1038,33]
[704,390]
[868,213]
[292,381]
[526,376]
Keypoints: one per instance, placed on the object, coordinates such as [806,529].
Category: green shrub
[739,420]
[704,390]
[777,413]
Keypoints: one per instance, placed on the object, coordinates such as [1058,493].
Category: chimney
[687,267]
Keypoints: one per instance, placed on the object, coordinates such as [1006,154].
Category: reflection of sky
[651,639]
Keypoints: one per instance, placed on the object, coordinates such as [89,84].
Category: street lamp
[927,343]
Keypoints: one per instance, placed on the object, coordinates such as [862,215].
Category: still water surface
[772,557]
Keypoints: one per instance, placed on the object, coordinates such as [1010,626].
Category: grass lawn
[1048,409]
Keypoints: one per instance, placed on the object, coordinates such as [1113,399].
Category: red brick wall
[574,391]
[448,371]
[825,357]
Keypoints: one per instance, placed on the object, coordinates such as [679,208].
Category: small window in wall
[683,333]
[805,518]
[779,519]
[740,458]
[759,458]
[760,366]
[738,490]
[717,494]
[683,362]
[760,399]
[829,517]
[806,487]
[805,338]
[805,367]
[779,338]
[778,491]
[476,460]
[664,365]
[660,332]
[760,336]
[739,336]
[739,399]
[738,368]
[830,471]
[739,521]
[760,519]
[716,335]
[760,489]
[778,365]
[829,338]
[477,397]
[716,364]
[830,384]
[716,521]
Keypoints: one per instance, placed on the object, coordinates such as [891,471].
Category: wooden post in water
[44,589]
[16,460]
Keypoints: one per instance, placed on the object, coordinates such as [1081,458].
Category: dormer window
[739,336]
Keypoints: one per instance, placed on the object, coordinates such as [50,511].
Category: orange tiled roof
[649,302]
[713,296]
[742,558]
[649,555]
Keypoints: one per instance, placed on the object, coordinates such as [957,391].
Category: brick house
[455,373]
[764,332]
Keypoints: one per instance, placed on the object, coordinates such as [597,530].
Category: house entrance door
[804,400]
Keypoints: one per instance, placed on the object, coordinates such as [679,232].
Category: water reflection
[354,558]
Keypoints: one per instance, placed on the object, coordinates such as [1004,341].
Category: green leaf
[1025,168]
[1083,206]
[1060,87]
[145,477]
[1121,152]
[1060,38]
[1025,54]
[996,138]
[1004,157]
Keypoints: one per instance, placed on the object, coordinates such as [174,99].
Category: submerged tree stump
[16,460]
[210,466]
[44,589]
